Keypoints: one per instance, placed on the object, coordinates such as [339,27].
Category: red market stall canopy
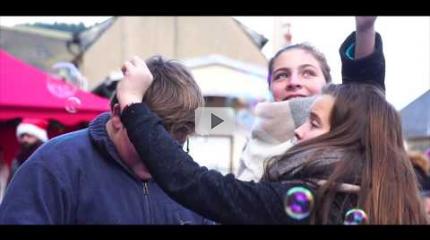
[26,91]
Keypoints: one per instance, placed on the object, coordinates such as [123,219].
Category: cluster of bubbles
[299,203]
[64,90]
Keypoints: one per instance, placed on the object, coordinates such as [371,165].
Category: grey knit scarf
[293,167]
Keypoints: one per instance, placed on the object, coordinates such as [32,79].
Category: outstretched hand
[365,37]
[137,79]
[365,23]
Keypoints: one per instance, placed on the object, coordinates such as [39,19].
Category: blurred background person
[31,133]
[4,174]
[421,164]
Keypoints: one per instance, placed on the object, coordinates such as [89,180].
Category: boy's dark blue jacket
[78,178]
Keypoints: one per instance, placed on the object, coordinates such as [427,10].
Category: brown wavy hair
[173,94]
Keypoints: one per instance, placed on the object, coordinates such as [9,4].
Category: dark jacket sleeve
[34,196]
[369,69]
[223,199]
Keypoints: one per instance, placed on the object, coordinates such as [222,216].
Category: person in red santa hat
[31,133]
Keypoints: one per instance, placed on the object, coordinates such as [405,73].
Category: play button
[214,120]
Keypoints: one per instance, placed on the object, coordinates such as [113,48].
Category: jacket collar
[99,135]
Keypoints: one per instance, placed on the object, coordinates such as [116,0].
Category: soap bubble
[355,216]
[298,202]
[72,104]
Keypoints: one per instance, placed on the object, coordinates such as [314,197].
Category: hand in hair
[365,36]
[137,79]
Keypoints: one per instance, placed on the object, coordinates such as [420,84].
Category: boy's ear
[116,110]
[116,119]
[181,134]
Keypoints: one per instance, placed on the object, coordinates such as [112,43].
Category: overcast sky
[406,45]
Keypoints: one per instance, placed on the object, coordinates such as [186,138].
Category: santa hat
[35,127]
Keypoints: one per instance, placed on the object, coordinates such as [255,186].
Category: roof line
[243,29]
[215,59]
[109,21]
[416,100]
[41,31]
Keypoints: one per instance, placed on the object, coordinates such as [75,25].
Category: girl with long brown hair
[362,152]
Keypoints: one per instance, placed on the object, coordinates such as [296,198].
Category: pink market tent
[26,91]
